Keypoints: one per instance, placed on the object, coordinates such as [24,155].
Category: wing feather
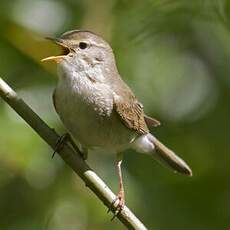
[151,121]
[131,113]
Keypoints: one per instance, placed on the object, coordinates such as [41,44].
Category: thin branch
[92,181]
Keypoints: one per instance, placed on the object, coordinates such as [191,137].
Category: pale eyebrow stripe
[91,42]
[98,44]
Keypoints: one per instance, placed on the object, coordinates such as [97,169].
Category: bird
[99,109]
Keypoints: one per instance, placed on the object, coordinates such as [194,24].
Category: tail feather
[167,157]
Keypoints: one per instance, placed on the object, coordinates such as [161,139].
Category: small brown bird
[98,108]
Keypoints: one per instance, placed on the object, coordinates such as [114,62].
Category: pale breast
[86,109]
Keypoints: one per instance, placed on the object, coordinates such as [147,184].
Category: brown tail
[170,159]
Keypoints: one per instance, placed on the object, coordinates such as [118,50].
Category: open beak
[64,48]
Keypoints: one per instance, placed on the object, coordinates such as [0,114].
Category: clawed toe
[62,140]
[59,144]
[117,204]
[118,207]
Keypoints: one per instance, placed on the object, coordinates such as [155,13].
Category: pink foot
[118,203]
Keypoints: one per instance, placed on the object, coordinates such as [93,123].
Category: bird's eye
[83,45]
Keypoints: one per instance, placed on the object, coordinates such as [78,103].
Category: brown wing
[131,113]
[151,121]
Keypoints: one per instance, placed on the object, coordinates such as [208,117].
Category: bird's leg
[63,140]
[121,193]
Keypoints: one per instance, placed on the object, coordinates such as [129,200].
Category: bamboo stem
[92,181]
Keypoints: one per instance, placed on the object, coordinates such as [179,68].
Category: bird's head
[83,49]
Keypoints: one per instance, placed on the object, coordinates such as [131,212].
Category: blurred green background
[175,55]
